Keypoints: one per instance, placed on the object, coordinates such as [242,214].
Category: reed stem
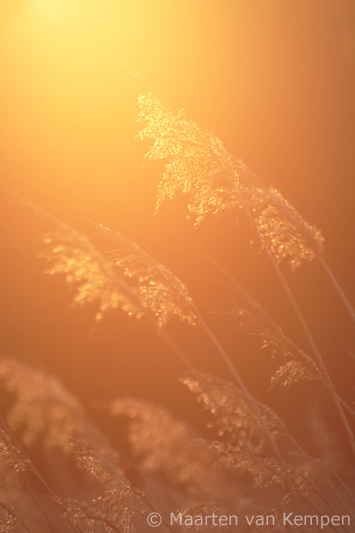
[308,335]
[337,287]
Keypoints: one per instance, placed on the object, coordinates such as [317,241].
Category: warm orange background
[275,80]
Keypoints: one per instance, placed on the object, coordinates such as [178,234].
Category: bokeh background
[275,80]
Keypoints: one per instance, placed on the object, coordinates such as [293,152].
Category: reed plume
[251,442]
[147,275]
[118,506]
[44,414]
[198,164]
[127,278]
[156,287]
[73,255]
[249,456]
[254,320]
[42,408]
[12,459]
[10,522]
[169,448]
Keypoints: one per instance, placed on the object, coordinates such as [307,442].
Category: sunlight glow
[51,9]
[74,100]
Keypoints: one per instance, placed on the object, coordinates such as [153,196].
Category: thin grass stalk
[112,525]
[207,389]
[9,510]
[338,289]
[340,500]
[341,503]
[153,319]
[234,282]
[347,407]
[253,403]
[319,513]
[329,506]
[150,315]
[341,483]
[75,527]
[218,149]
[307,333]
[235,374]
[40,505]
[242,387]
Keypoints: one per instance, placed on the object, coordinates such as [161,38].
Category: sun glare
[51,9]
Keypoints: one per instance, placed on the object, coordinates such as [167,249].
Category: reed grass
[198,164]
[247,462]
